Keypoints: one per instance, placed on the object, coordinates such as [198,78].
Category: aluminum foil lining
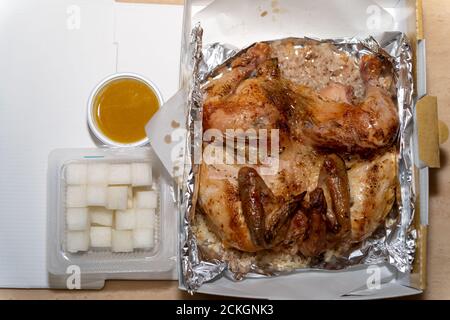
[394,243]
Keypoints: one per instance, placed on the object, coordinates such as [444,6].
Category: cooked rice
[319,65]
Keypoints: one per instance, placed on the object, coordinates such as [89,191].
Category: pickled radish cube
[97,174]
[77,219]
[143,238]
[146,200]
[119,174]
[122,241]
[117,198]
[141,174]
[77,241]
[76,174]
[125,219]
[145,218]
[101,217]
[96,196]
[100,237]
[76,197]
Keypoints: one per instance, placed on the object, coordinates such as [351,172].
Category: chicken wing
[221,195]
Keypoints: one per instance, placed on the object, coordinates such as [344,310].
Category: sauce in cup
[121,107]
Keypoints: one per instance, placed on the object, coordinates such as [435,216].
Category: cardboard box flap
[431,132]
[419,14]
[443,132]
[419,276]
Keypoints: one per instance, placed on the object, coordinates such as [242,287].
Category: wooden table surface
[437,31]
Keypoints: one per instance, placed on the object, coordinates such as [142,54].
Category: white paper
[149,41]
[53,53]
[167,133]
[241,23]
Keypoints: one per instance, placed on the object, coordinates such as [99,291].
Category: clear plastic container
[101,264]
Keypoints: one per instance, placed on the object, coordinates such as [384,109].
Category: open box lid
[240,23]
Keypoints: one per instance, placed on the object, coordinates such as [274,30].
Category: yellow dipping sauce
[122,109]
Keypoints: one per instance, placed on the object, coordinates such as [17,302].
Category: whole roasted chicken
[335,178]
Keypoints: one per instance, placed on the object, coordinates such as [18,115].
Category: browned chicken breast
[372,193]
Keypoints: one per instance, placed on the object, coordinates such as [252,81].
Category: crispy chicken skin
[317,199]
[371,185]
[221,194]
[326,120]
[230,76]
[372,193]
[238,101]
[342,127]
[266,215]
[220,202]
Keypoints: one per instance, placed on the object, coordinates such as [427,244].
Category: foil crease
[393,243]
[194,271]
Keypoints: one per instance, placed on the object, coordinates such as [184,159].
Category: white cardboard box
[239,23]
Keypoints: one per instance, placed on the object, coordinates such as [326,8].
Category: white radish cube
[117,198]
[119,174]
[122,241]
[77,241]
[77,219]
[130,198]
[76,197]
[101,237]
[96,196]
[143,238]
[98,174]
[146,200]
[125,219]
[145,218]
[76,174]
[141,174]
[101,217]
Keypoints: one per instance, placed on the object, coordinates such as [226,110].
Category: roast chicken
[335,180]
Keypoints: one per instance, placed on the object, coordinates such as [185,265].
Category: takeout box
[240,23]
